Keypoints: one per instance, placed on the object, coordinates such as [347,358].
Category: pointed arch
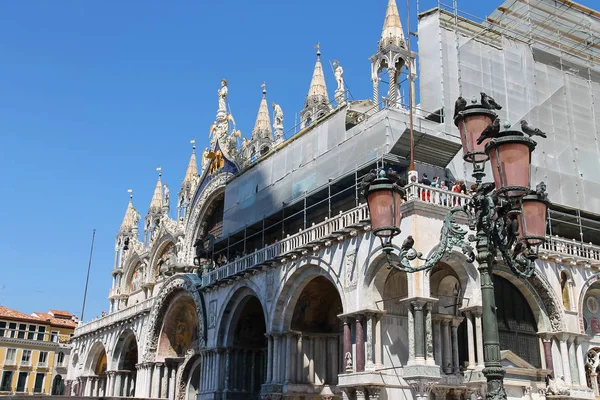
[126,352]
[96,362]
[233,305]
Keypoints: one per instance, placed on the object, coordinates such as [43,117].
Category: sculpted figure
[167,194]
[223,96]
[338,71]
[277,117]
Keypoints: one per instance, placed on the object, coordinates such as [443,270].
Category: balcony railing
[572,250]
[114,317]
[329,228]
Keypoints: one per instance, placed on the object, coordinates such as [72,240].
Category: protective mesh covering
[326,151]
[559,97]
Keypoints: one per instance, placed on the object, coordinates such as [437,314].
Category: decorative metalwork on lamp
[508,217]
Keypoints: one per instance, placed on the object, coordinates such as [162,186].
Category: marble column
[228,367]
[547,343]
[429,358]
[276,358]
[470,339]
[580,362]
[564,355]
[378,341]
[455,356]
[573,362]
[348,364]
[299,360]
[392,90]
[289,362]
[149,370]
[125,391]
[156,380]
[118,384]
[310,341]
[370,366]
[411,336]
[437,338]
[269,358]
[253,368]
[594,379]
[479,340]
[93,381]
[172,378]
[419,332]
[360,345]
[447,347]
[164,381]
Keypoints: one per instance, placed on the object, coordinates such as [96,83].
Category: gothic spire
[262,126]
[157,198]
[392,32]
[192,169]
[317,84]
[130,220]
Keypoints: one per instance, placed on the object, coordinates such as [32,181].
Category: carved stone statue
[278,122]
[349,364]
[340,92]
[205,158]
[167,193]
[222,97]
[556,386]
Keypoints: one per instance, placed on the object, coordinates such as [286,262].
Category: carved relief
[212,314]
[349,265]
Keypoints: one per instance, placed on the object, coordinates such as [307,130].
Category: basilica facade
[262,279]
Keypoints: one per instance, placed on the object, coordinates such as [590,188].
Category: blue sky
[95,95]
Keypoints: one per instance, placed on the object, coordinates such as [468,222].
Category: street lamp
[508,217]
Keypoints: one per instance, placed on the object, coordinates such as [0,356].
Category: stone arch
[186,375]
[589,313]
[122,351]
[161,247]
[171,288]
[96,360]
[465,272]
[545,308]
[296,280]
[233,304]
[582,294]
[216,184]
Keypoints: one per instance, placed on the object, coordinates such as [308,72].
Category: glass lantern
[471,122]
[510,158]
[532,220]
[384,199]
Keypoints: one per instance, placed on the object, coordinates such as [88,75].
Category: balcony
[114,317]
[358,218]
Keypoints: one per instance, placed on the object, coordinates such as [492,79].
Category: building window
[31,332]
[60,359]
[39,383]
[54,336]
[22,381]
[41,332]
[11,356]
[43,360]
[26,357]
[6,385]
[22,331]
[12,327]
[2,328]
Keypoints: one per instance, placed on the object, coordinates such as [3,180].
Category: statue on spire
[278,122]
[222,98]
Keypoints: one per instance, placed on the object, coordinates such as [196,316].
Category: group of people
[457,186]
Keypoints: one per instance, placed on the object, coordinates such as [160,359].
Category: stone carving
[349,364]
[167,194]
[556,386]
[222,92]
[182,373]
[340,92]
[551,303]
[168,290]
[212,314]
[350,262]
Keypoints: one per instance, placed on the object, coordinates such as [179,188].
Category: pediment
[511,360]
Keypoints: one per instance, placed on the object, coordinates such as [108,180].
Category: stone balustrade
[114,317]
[571,250]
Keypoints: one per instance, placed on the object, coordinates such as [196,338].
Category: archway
[58,386]
[124,361]
[318,335]
[96,366]
[448,324]
[591,310]
[246,342]
[517,326]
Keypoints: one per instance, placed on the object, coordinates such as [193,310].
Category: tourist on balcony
[426,182]
[444,196]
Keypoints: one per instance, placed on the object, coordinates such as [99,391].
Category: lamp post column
[493,371]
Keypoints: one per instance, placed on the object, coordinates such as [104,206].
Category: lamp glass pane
[470,130]
[382,210]
[510,166]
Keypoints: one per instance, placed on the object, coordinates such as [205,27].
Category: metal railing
[114,317]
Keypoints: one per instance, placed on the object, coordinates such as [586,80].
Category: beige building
[34,351]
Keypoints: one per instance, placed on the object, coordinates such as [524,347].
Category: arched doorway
[96,367]
[448,324]
[517,326]
[126,358]
[246,347]
[318,332]
[591,309]
[58,386]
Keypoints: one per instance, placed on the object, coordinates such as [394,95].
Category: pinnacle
[130,218]
[392,32]
[317,84]
[192,170]
[262,126]
[157,198]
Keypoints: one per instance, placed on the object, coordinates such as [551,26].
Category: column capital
[456,321]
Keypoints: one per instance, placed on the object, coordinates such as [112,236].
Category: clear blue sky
[95,95]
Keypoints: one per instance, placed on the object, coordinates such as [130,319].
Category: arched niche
[97,361]
[517,325]
[125,354]
[180,328]
[591,309]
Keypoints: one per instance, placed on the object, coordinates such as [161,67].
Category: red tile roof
[60,314]
[39,317]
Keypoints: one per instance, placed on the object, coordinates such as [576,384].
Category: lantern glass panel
[470,129]
[384,207]
[532,225]
[510,166]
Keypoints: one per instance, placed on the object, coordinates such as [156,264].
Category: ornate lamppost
[508,217]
